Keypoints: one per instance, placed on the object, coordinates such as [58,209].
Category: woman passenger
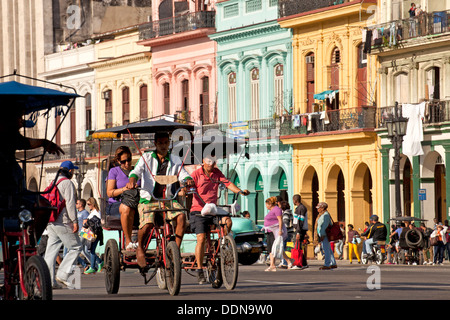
[115,187]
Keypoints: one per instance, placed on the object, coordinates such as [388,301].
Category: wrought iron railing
[330,121]
[291,7]
[183,23]
[434,113]
[394,33]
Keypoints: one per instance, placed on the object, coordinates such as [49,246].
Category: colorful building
[183,59]
[336,155]
[413,53]
[254,71]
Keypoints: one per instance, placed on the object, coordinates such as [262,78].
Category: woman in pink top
[273,223]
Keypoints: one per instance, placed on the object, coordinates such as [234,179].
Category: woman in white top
[94,259]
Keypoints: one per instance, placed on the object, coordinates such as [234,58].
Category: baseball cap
[374,217]
[68,165]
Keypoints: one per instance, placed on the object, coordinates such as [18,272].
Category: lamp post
[396,127]
[81,163]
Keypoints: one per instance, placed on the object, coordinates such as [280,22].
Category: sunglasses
[89,204]
[125,161]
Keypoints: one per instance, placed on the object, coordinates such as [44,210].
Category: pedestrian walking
[427,248]
[300,227]
[323,221]
[274,227]
[63,231]
[353,239]
[439,233]
[83,215]
[94,223]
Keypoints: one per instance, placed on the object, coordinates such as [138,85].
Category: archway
[361,196]
[335,193]
[309,192]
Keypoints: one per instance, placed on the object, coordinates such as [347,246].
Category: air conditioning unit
[310,59]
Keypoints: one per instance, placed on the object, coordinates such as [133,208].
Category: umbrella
[33,98]
[152,126]
[216,145]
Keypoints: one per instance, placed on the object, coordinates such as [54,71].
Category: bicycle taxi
[24,213]
[162,254]
[164,260]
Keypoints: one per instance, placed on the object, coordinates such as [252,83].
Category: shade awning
[325,94]
[34,98]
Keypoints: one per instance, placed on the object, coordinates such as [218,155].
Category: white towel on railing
[412,141]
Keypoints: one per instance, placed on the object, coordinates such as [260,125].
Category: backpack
[55,199]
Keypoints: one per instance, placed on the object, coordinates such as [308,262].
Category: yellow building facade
[123,77]
[336,155]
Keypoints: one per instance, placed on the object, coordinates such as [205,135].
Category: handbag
[434,241]
[297,255]
[87,234]
[333,231]
[278,248]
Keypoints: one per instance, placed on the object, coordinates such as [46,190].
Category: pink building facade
[183,60]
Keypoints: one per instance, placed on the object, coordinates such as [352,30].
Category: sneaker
[296,268]
[100,266]
[89,271]
[64,282]
[201,277]
[282,266]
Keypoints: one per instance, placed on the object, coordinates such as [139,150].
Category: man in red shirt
[206,179]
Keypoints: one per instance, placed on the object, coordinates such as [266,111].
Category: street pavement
[347,282]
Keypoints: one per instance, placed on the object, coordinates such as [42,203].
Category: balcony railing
[435,113]
[183,23]
[330,121]
[292,7]
[394,33]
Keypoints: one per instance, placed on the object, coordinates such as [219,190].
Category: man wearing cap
[323,221]
[206,179]
[376,232]
[63,231]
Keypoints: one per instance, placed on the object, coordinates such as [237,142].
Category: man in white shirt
[64,230]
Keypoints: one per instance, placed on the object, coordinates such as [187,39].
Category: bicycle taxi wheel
[229,264]
[112,267]
[38,283]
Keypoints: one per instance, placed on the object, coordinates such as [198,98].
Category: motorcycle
[378,254]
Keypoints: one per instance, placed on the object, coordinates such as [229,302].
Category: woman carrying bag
[94,224]
[276,233]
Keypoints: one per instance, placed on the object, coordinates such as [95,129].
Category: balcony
[436,113]
[293,7]
[175,25]
[330,122]
[421,29]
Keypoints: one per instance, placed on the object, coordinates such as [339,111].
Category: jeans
[439,252]
[58,235]
[367,248]
[94,259]
[328,253]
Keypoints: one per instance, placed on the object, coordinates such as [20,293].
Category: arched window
[143,102]
[401,82]
[279,88]
[334,69]
[204,101]
[254,96]
[310,82]
[166,98]
[125,105]
[232,116]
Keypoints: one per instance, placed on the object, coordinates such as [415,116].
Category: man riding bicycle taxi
[157,163]
[207,179]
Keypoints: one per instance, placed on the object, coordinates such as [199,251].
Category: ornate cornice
[239,34]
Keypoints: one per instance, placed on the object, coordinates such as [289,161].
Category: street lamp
[81,163]
[396,127]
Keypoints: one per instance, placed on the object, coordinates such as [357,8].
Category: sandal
[271,269]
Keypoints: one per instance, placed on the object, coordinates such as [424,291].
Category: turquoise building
[255,77]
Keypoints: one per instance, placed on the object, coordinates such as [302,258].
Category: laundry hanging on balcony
[412,141]
[328,94]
